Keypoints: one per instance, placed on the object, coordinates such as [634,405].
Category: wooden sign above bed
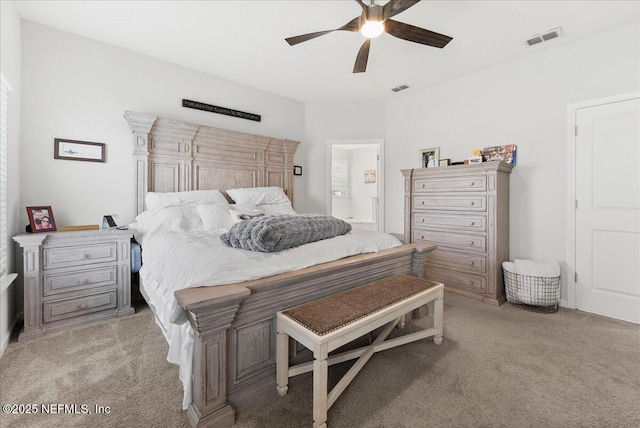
[220,110]
[176,156]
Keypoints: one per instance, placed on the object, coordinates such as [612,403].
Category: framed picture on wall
[78,150]
[369,176]
[41,219]
[430,158]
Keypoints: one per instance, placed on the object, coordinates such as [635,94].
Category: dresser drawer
[452,240]
[79,255]
[80,280]
[466,262]
[451,184]
[450,203]
[457,279]
[471,223]
[67,308]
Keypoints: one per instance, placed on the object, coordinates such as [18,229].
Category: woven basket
[535,293]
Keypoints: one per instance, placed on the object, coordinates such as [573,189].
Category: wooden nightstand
[71,278]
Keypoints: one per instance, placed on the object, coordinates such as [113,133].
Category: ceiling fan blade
[395,7]
[415,34]
[363,56]
[353,25]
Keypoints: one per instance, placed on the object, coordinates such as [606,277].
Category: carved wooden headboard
[177,156]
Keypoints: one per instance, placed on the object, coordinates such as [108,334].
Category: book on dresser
[464,210]
[71,278]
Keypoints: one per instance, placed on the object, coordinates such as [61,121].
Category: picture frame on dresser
[430,158]
[41,219]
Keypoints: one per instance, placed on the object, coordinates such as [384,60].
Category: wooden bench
[326,324]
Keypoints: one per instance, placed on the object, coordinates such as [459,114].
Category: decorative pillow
[155,201]
[184,218]
[241,212]
[258,195]
[215,217]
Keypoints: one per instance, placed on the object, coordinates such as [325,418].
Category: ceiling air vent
[539,38]
[399,88]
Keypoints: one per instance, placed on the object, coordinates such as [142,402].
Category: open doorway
[356,182]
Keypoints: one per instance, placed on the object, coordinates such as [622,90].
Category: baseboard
[5,341]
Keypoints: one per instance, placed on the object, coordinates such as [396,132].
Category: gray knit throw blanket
[280,232]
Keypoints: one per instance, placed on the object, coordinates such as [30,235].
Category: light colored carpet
[497,367]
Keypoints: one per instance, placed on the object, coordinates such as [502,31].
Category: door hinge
[377,157]
[576,131]
[576,204]
[575,276]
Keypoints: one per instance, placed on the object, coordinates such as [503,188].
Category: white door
[608,209]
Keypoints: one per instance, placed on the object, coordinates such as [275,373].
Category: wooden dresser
[464,210]
[72,278]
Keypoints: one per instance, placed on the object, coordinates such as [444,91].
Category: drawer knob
[473,183]
[470,282]
[472,223]
[423,185]
[470,242]
[422,202]
[421,236]
[83,306]
[472,203]
[86,256]
[471,263]
[421,220]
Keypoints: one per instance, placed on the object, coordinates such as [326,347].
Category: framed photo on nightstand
[41,219]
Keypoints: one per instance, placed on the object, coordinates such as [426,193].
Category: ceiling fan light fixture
[372,29]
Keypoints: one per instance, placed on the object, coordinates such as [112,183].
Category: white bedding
[173,260]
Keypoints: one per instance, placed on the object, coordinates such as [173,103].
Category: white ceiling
[244,41]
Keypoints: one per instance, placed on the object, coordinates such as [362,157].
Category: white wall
[524,103]
[78,89]
[10,62]
[324,122]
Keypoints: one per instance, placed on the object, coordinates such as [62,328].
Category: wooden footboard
[235,325]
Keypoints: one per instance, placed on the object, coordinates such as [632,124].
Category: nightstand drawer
[450,203]
[68,308]
[80,280]
[79,255]
[451,184]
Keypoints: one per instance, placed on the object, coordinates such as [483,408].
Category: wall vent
[399,88]
[539,38]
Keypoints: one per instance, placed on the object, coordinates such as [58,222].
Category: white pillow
[241,212]
[175,219]
[155,201]
[258,195]
[215,217]
[277,209]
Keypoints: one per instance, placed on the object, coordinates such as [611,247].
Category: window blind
[4,234]
[339,177]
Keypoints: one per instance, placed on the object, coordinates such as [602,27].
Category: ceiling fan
[374,20]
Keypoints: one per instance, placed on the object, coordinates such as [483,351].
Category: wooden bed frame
[235,325]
